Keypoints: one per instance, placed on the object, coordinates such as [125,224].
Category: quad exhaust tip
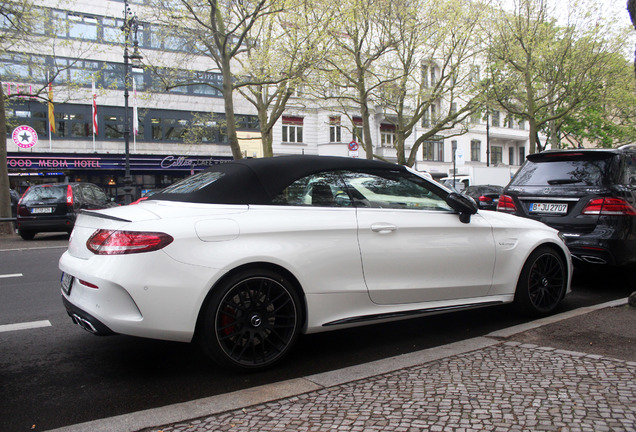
[592,259]
[84,323]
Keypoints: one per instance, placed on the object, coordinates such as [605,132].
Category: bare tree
[631,8]
[15,21]
[289,45]
[221,32]
[436,49]
[350,76]
[541,70]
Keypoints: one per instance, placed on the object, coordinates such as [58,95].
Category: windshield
[560,172]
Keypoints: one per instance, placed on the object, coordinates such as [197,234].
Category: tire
[542,283]
[26,235]
[251,321]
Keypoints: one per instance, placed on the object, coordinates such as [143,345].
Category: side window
[630,170]
[394,190]
[318,190]
[100,195]
[87,194]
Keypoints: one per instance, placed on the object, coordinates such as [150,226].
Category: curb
[209,406]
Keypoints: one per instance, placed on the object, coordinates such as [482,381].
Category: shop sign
[185,162]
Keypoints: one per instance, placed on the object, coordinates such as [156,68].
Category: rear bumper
[594,250]
[85,320]
[64,223]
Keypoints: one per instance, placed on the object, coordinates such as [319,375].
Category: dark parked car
[54,207]
[588,195]
[486,196]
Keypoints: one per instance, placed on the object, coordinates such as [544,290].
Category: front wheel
[251,320]
[542,283]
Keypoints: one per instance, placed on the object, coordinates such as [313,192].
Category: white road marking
[24,326]
[33,248]
[6,276]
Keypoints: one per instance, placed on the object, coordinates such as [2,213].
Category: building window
[387,135]
[74,26]
[425,76]
[357,132]
[474,74]
[522,155]
[511,156]
[475,150]
[434,149]
[292,129]
[335,130]
[496,155]
[496,118]
[429,77]
[430,116]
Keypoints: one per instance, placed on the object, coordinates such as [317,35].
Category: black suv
[54,207]
[588,195]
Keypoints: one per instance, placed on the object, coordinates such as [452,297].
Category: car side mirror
[463,204]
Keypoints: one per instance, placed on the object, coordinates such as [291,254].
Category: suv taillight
[609,207]
[69,195]
[506,204]
[113,242]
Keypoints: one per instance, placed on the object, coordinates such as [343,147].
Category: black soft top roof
[258,181]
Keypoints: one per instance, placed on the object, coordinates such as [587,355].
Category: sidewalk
[571,372]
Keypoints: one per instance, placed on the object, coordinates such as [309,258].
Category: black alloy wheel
[542,283]
[252,320]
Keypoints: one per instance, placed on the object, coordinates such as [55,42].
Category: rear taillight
[485,199]
[112,242]
[506,204]
[69,195]
[609,207]
[23,210]
[23,195]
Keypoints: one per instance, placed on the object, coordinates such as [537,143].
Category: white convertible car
[245,256]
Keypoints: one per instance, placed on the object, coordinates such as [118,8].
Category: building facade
[86,48]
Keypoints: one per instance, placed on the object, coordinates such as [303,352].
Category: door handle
[383,228]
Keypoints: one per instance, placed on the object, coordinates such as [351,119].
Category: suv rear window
[45,193]
[587,171]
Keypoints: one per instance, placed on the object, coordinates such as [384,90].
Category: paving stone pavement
[508,386]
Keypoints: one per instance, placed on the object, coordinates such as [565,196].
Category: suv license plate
[550,208]
[39,210]
[67,283]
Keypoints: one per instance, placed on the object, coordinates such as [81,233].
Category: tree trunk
[229,109]
[5,198]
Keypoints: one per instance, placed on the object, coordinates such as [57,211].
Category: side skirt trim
[412,313]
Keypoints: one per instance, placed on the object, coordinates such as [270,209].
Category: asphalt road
[55,374]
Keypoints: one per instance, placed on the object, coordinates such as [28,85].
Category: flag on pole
[135,119]
[51,109]
[95,126]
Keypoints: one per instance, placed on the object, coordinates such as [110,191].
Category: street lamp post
[130,28]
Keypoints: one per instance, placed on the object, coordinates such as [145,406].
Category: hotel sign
[20,161]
